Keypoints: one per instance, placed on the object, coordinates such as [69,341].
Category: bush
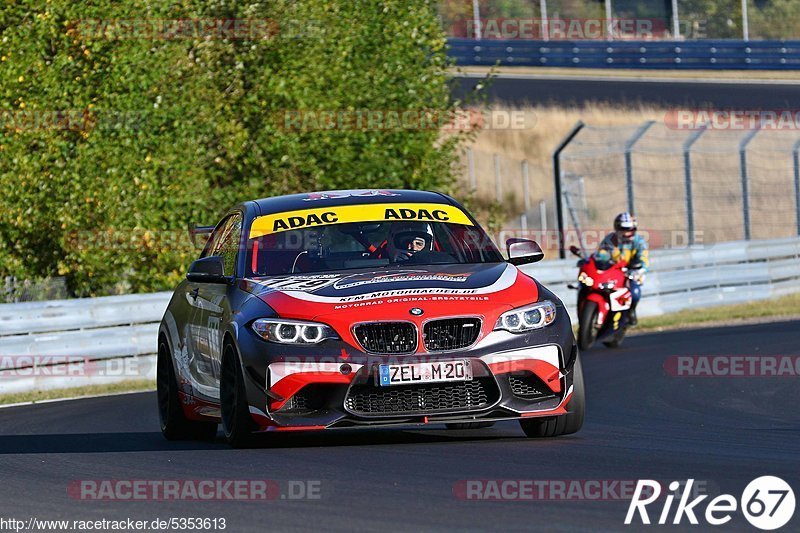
[113,138]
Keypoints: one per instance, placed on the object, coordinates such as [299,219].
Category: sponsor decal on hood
[462,279]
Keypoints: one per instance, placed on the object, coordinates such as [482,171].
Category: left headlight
[526,318]
[292,331]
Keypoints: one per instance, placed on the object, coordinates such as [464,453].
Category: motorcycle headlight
[526,318]
[292,331]
[608,285]
[585,279]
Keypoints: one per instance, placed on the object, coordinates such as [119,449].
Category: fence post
[473,181]
[609,22]
[745,185]
[498,188]
[676,27]
[796,160]
[526,186]
[476,19]
[687,171]
[629,163]
[557,176]
[543,216]
[545,22]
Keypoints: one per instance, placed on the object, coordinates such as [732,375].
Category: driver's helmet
[409,238]
[625,226]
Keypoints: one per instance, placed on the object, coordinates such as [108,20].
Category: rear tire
[553,426]
[237,424]
[174,424]
[587,332]
[469,425]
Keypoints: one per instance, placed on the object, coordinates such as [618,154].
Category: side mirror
[523,251]
[576,251]
[207,270]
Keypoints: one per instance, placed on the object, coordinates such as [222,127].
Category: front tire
[174,424]
[237,424]
[554,426]
[616,342]
[587,331]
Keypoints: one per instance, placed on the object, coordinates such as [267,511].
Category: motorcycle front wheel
[587,332]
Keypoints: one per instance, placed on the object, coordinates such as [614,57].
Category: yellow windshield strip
[342,214]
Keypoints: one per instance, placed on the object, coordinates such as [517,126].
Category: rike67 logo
[767,503]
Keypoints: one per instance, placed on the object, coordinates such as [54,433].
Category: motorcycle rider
[625,244]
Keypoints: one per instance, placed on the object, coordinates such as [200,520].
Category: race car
[362,308]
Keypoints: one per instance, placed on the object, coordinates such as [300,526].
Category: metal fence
[697,186]
[615,19]
[522,188]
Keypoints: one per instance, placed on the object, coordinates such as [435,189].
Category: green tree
[114,137]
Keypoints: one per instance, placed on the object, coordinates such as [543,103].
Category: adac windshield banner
[343,214]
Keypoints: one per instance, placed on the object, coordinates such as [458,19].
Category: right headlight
[526,318]
[292,331]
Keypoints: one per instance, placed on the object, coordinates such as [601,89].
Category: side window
[225,242]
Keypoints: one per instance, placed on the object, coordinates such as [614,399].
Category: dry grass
[545,127]
[77,392]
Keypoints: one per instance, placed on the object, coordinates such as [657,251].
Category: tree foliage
[116,133]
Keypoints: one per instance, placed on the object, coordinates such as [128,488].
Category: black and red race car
[363,308]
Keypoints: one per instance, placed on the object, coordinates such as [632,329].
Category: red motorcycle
[604,301]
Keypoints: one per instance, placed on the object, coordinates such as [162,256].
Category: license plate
[433,372]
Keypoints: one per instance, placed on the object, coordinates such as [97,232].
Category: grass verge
[75,392]
[785,306]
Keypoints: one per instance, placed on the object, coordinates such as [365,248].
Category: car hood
[343,298]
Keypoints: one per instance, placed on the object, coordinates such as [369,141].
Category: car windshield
[350,237]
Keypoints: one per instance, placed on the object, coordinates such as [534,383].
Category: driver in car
[407,239]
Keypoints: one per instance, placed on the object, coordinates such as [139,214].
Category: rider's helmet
[625,225]
[408,238]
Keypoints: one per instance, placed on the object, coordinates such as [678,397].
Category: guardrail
[70,343]
[720,274]
[117,334]
[717,54]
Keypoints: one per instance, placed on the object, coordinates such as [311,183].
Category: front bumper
[514,376]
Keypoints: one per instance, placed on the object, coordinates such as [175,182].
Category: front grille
[420,399]
[387,337]
[451,333]
[528,386]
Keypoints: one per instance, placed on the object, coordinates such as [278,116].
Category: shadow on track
[154,442]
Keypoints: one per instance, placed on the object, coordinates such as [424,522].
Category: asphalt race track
[521,90]
[641,423]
